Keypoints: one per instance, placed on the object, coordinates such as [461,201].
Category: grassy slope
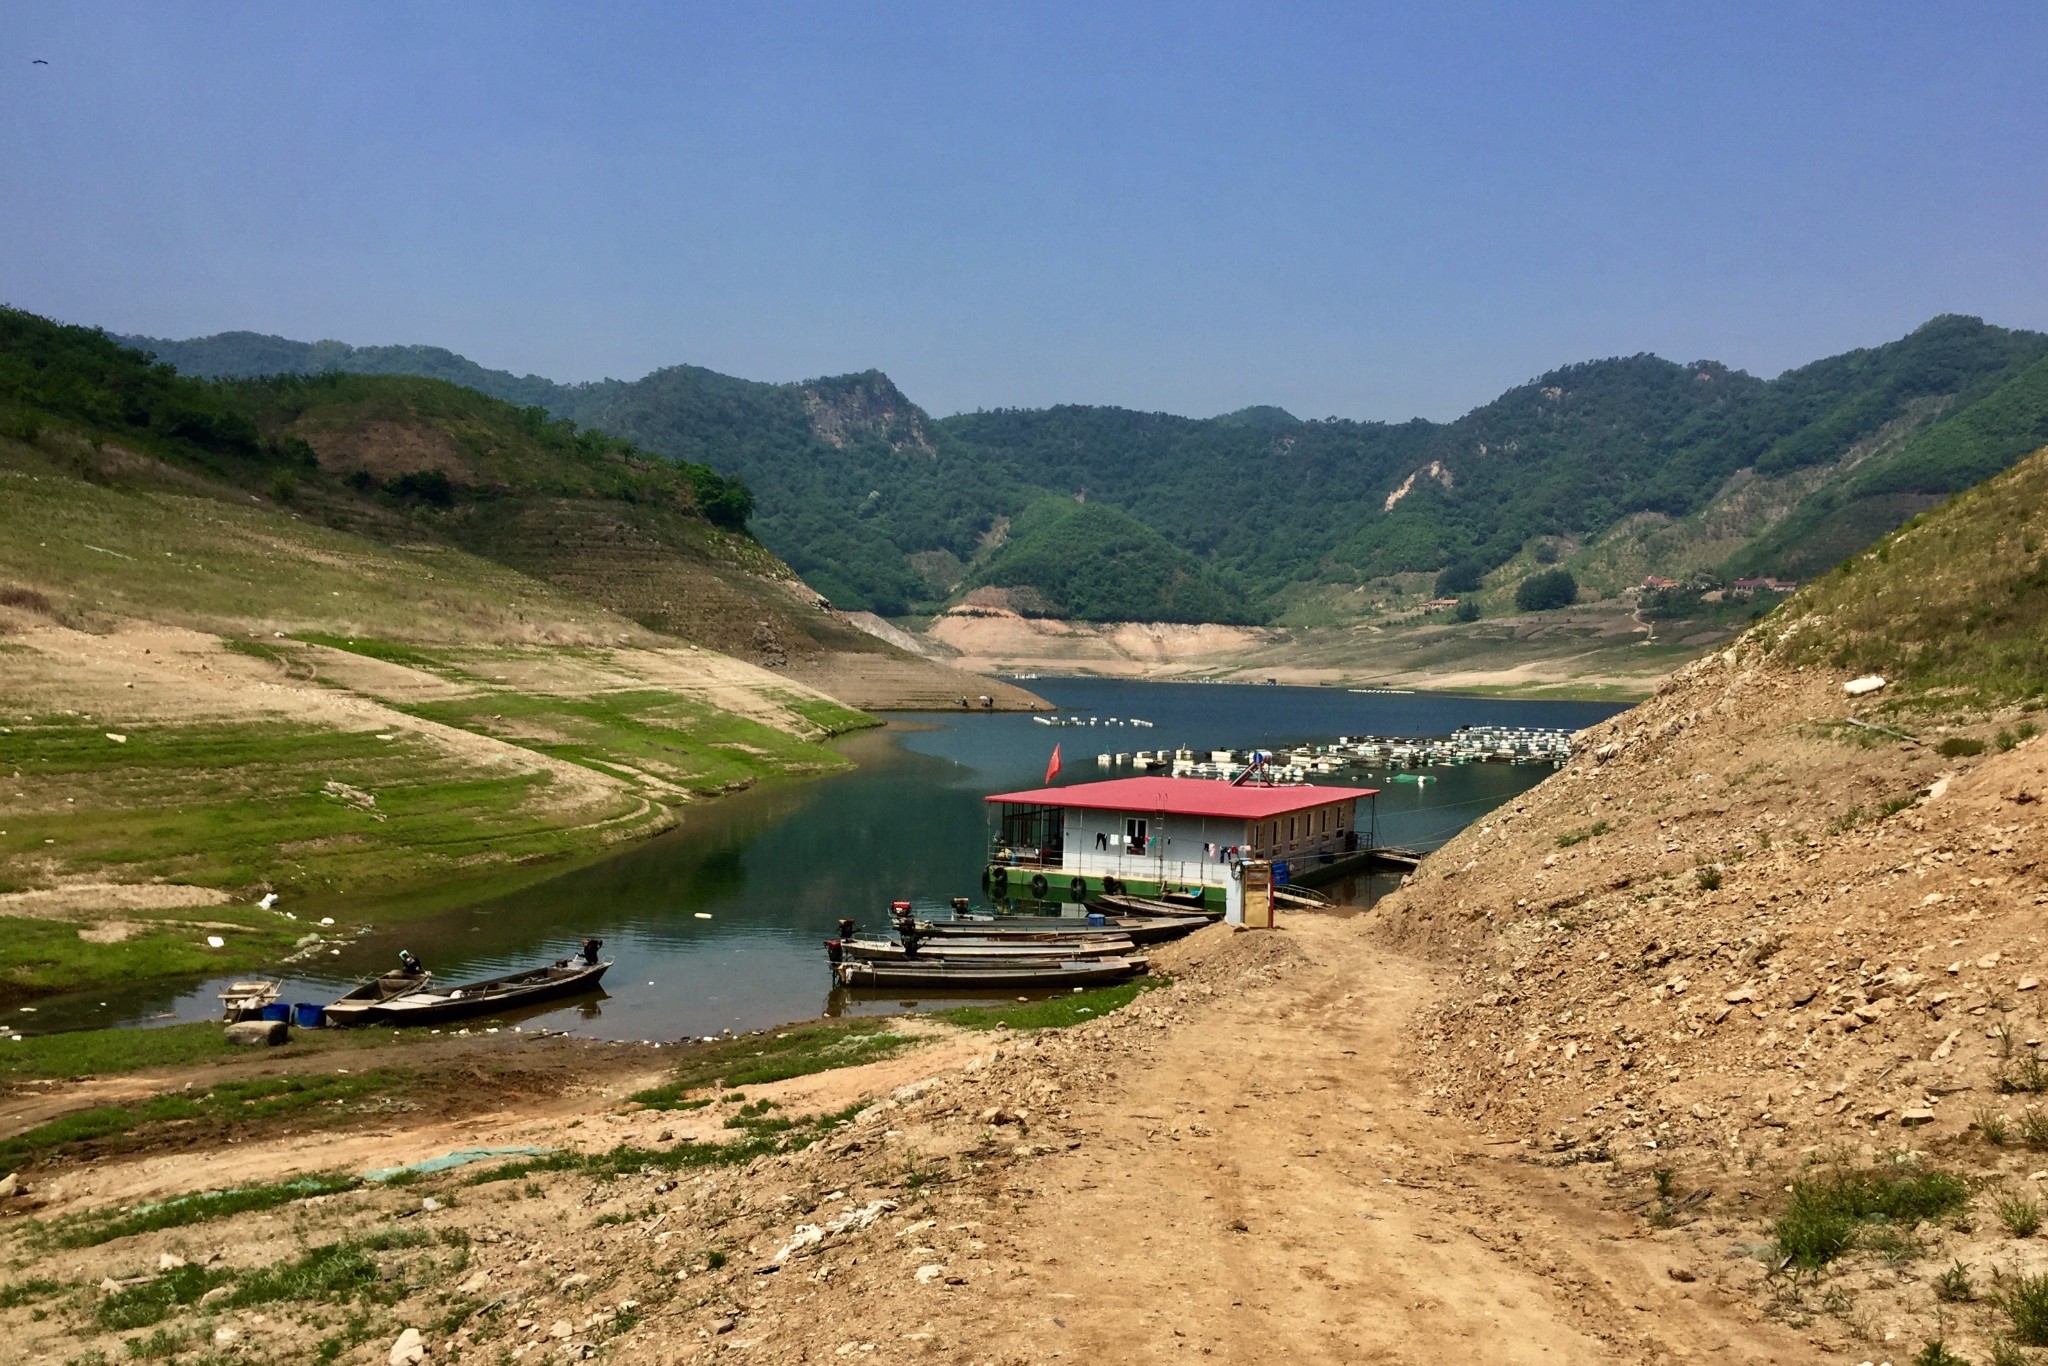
[602,525]
[228,787]
[1955,603]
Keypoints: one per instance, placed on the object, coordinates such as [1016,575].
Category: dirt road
[1262,1184]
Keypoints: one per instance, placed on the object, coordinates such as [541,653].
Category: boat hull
[1052,974]
[963,950]
[1137,929]
[436,1005]
[1145,907]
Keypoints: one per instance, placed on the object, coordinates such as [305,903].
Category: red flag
[1052,770]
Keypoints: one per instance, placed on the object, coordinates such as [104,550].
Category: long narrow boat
[356,1005]
[1137,929]
[1123,903]
[433,1005]
[979,950]
[1054,974]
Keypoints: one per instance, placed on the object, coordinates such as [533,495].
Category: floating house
[1155,835]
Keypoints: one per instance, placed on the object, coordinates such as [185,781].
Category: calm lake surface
[773,869]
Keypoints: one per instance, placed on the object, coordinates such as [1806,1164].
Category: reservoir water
[719,924]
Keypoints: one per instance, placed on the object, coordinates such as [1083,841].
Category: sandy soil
[875,682]
[1238,1166]
[80,895]
[990,639]
[1737,936]
[1583,649]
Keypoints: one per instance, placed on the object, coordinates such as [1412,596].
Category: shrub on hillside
[1460,576]
[1551,589]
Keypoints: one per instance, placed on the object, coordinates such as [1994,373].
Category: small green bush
[2033,1127]
[1953,1285]
[2029,1075]
[1992,1126]
[2025,1303]
[1708,879]
[1545,592]
[2021,1216]
[1936,1353]
[2005,1352]
[1821,1218]
[1960,746]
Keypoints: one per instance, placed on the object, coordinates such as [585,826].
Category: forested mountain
[407,461]
[880,506]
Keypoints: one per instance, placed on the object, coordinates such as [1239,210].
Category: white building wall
[1190,850]
[1177,848]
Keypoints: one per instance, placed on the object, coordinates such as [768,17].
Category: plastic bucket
[1097,918]
[276,1010]
[309,1016]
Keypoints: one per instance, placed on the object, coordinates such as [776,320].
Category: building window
[1134,835]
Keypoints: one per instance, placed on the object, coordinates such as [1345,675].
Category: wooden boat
[978,950]
[1123,903]
[355,1006]
[1137,929]
[1049,973]
[433,1005]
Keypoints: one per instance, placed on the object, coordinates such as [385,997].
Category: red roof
[1187,797]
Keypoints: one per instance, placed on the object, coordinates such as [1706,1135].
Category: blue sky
[1363,210]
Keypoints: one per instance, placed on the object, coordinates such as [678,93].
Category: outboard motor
[410,966]
[845,929]
[959,904]
[590,948]
[835,950]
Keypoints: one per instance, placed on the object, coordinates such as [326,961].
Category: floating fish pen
[1093,721]
[1466,745]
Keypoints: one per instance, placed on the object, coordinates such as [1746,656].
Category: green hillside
[1072,560]
[663,542]
[880,506]
[1955,603]
[1974,441]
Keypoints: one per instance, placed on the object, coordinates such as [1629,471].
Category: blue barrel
[276,1010]
[1097,918]
[309,1016]
[1279,873]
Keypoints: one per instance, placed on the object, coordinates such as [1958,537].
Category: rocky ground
[1740,937]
